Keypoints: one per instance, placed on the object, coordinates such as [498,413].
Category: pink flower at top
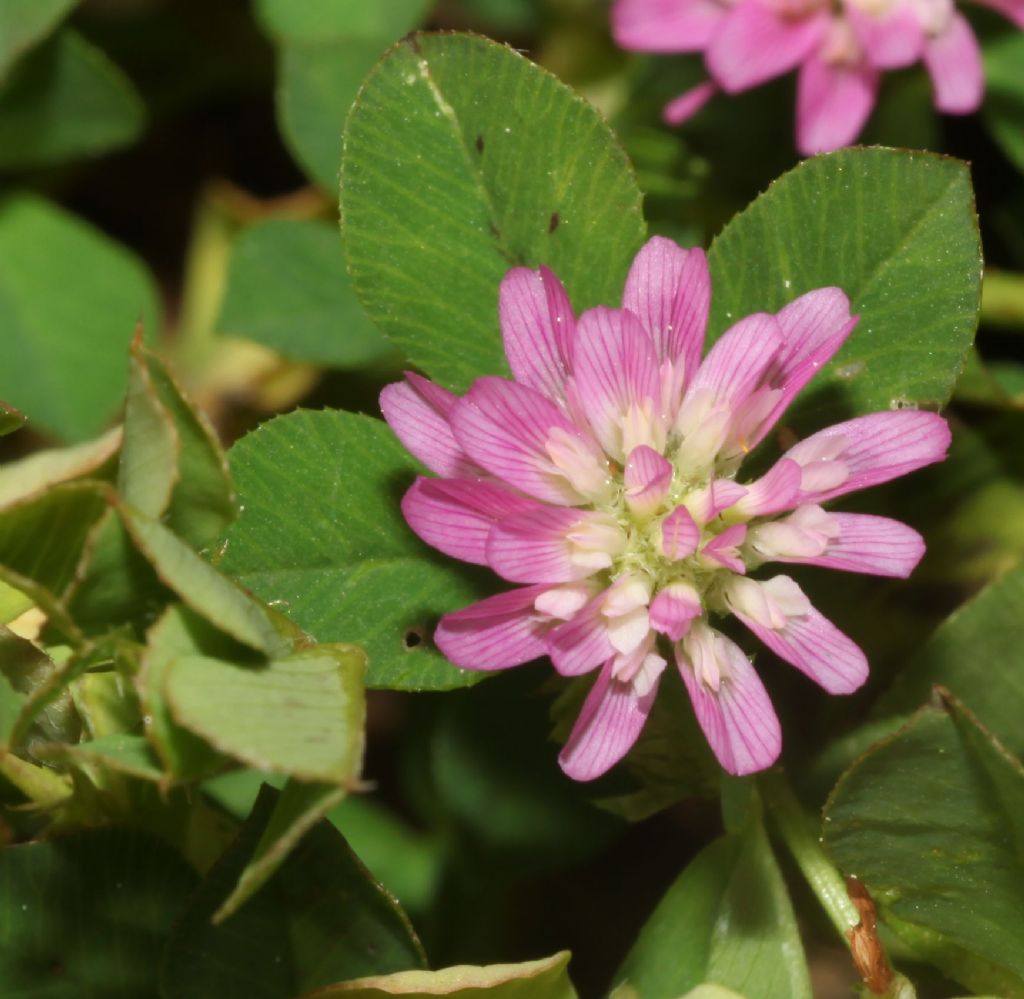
[604,482]
[838,48]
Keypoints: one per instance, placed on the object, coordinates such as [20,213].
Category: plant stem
[1002,299]
[796,830]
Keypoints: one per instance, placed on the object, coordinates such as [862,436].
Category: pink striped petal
[954,64]
[582,643]
[456,515]
[506,428]
[679,534]
[777,490]
[418,411]
[688,103]
[537,326]
[647,478]
[665,25]
[673,608]
[814,326]
[814,645]
[723,548]
[539,546]
[756,43]
[869,450]
[610,722]
[737,362]
[501,631]
[616,371]
[669,289]
[737,719]
[1013,10]
[874,545]
[833,103]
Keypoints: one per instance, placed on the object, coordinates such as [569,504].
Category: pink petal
[890,39]
[537,325]
[647,478]
[721,548]
[1010,9]
[874,449]
[688,103]
[669,290]
[505,427]
[814,326]
[673,608]
[535,547]
[875,545]
[738,719]
[756,43]
[417,411]
[738,360]
[833,103]
[456,515]
[679,534]
[610,722]
[665,25]
[954,64]
[777,490]
[615,368]
[501,631]
[582,643]
[816,647]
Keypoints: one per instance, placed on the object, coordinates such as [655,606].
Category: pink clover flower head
[604,480]
[838,50]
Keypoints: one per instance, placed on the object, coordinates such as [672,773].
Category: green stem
[797,831]
[1002,299]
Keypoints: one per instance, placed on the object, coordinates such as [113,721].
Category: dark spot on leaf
[494,230]
[553,222]
[56,968]
[414,42]
[412,638]
[479,143]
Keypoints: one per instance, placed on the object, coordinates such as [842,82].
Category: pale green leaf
[301,714]
[203,588]
[547,978]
